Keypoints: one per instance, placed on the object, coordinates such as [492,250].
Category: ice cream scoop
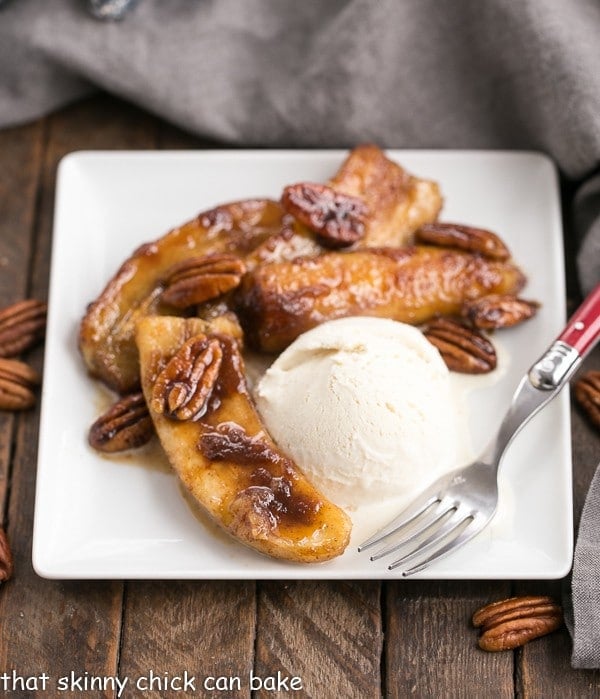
[364,406]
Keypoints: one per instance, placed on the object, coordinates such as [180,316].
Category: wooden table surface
[343,639]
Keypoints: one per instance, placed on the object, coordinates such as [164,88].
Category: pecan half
[6,559]
[21,326]
[463,349]
[587,394]
[184,386]
[512,622]
[17,381]
[198,279]
[455,235]
[498,311]
[125,425]
[337,219]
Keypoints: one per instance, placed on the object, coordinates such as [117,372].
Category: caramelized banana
[256,230]
[398,203]
[106,337]
[194,385]
[279,301]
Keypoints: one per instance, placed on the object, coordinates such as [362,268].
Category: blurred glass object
[109,9]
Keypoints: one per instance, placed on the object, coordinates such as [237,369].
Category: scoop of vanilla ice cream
[364,407]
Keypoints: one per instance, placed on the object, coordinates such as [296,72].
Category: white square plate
[97,517]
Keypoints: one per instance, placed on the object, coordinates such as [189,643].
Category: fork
[461,503]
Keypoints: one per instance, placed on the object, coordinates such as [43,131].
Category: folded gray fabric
[418,73]
[585,584]
[587,224]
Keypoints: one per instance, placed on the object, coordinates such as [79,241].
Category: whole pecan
[21,325]
[587,394]
[6,559]
[198,279]
[463,349]
[498,311]
[184,386]
[17,382]
[455,235]
[337,219]
[512,622]
[125,425]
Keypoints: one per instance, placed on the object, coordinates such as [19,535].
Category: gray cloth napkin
[583,603]
[416,74]
[587,224]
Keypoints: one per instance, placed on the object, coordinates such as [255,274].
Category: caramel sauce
[231,375]
[288,506]
[272,471]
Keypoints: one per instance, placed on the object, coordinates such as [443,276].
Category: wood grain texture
[20,167]
[544,665]
[327,633]
[48,626]
[204,628]
[20,171]
[431,646]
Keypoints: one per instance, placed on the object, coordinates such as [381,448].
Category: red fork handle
[583,329]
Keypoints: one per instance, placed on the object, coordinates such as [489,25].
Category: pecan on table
[337,219]
[455,235]
[587,394]
[513,622]
[184,387]
[463,349]
[21,325]
[125,425]
[17,383]
[498,311]
[6,559]
[198,279]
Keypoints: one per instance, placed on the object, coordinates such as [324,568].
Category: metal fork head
[448,514]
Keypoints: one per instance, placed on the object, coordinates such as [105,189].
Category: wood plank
[171,137]
[20,159]
[328,634]
[50,626]
[205,628]
[431,648]
[20,166]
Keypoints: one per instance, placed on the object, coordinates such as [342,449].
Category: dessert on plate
[345,260]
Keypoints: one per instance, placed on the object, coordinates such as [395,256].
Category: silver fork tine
[425,524]
[408,515]
[445,538]
[453,545]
